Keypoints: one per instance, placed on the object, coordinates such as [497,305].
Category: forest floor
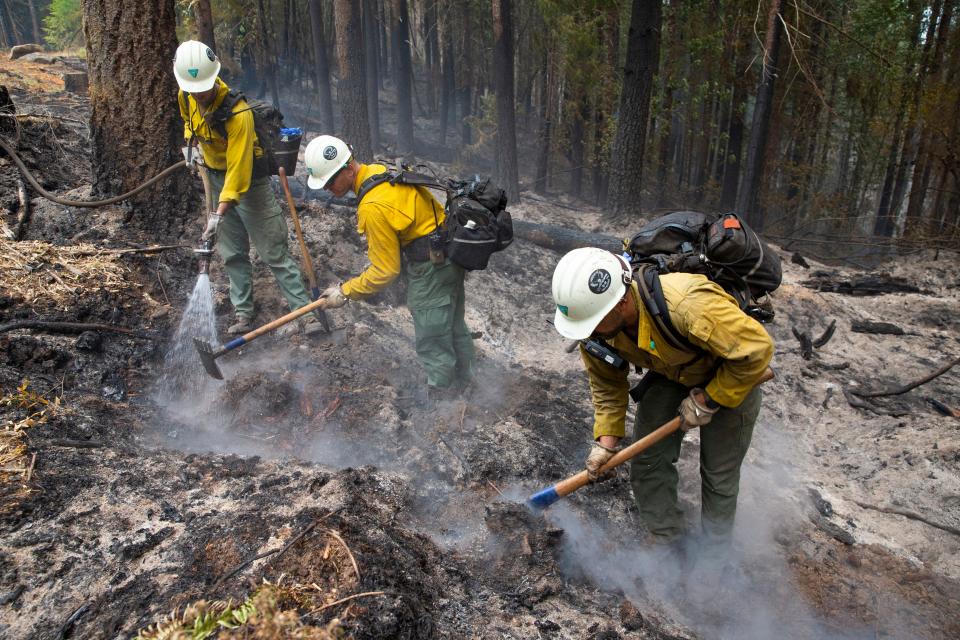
[321,450]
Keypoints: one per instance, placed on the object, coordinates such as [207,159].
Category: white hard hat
[196,67]
[587,284]
[325,155]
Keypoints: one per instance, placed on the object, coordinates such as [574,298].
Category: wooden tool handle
[279,322]
[307,262]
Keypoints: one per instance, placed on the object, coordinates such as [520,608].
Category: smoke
[743,591]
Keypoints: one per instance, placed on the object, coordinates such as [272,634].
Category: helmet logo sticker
[329,152]
[193,72]
[600,281]
[211,55]
[563,309]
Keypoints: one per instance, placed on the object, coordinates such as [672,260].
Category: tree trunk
[403,77]
[465,75]
[756,149]
[579,115]
[352,90]
[129,49]
[447,85]
[432,47]
[321,66]
[643,58]
[15,37]
[204,17]
[372,72]
[269,62]
[540,183]
[666,145]
[506,143]
[37,34]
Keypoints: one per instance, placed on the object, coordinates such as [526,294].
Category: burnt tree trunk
[735,129]
[640,67]
[352,90]
[541,181]
[756,149]
[447,83]
[37,34]
[371,60]
[403,76]
[129,49]
[204,16]
[507,172]
[269,62]
[321,66]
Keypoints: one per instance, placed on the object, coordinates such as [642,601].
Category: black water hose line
[88,203]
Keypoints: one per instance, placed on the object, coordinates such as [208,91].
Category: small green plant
[63,26]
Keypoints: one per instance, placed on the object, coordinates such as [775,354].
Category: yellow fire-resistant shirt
[391,217]
[233,154]
[737,350]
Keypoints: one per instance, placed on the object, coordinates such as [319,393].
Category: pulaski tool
[210,352]
[546,497]
[307,262]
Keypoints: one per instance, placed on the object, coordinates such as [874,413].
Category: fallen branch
[913,385]
[911,515]
[69,327]
[77,444]
[825,338]
[883,328]
[347,599]
[353,560]
[23,211]
[943,409]
[72,620]
[243,565]
[858,403]
[154,249]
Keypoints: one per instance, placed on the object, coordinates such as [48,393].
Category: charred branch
[871,284]
[859,403]
[70,327]
[561,239]
[910,515]
[913,385]
[807,344]
[881,328]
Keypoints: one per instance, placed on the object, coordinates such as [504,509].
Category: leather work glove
[693,410]
[599,455]
[334,296]
[213,221]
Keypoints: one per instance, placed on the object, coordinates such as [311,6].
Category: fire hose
[85,203]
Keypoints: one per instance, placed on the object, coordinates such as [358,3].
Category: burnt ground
[136,506]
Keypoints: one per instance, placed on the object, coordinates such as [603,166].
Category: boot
[242,325]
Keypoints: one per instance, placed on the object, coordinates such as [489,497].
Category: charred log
[871,284]
[562,239]
[882,328]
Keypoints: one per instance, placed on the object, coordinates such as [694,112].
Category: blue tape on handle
[315,292]
[236,342]
[545,498]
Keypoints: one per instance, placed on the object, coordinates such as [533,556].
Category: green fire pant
[435,298]
[723,445]
[256,217]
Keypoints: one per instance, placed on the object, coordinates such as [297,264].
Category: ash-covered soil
[137,506]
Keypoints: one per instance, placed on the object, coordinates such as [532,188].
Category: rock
[23,49]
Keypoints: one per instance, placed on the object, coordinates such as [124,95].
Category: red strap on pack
[731,222]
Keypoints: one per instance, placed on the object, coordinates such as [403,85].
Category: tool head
[204,252]
[207,357]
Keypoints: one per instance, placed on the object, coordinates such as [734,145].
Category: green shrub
[63,26]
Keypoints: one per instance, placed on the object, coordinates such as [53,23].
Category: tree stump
[76,82]
[23,49]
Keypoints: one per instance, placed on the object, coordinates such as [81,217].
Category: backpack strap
[651,292]
[375,181]
[217,119]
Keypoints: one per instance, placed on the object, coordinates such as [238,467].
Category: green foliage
[201,621]
[63,26]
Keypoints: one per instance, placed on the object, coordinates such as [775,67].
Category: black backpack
[278,151]
[477,222]
[722,247]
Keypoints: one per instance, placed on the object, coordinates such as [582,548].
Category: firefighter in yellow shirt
[710,381]
[247,209]
[397,220]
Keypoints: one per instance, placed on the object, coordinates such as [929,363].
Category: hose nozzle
[204,252]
